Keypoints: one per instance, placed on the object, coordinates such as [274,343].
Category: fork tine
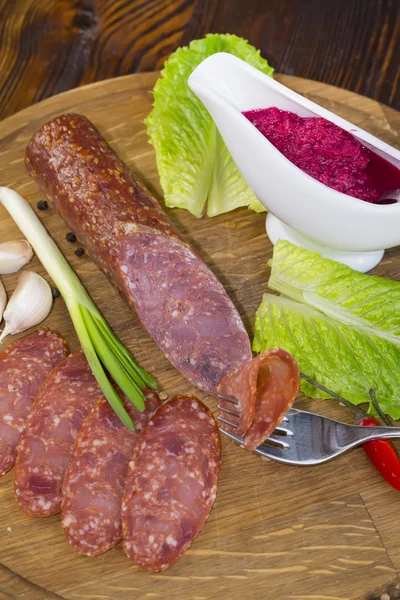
[277,439]
[232,413]
[275,452]
[284,429]
[233,436]
[227,399]
[229,412]
[229,423]
[239,439]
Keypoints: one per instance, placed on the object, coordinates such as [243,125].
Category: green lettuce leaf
[344,359]
[369,303]
[195,168]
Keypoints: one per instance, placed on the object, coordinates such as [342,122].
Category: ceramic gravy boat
[301,209]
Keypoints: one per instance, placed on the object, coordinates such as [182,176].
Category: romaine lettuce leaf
[369,303]
[342,358]
[195,168]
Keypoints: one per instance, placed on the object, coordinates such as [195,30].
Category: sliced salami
[262,392]
[24,365]
[96,476]
[65,399]
[171,484]
[237,397]
[177,298]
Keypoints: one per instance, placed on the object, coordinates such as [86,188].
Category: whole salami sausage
[24,365]
[178,300]
[171,484]
[96,476]
[65,399]
[263,391]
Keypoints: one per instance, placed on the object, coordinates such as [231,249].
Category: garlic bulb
[29,304]
[14,256]
[3,300]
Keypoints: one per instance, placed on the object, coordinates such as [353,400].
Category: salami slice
[237,397]
[263,391]
[24,365]
[172,483]
[96,476]
[65,399]
[178,300]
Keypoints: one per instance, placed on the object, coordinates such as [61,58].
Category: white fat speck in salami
[24,365]
[171,484]
[65,399]
[264,389]
[96,476]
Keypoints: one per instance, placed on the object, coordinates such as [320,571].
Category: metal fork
[304,438]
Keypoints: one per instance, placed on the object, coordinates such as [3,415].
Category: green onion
[102,348]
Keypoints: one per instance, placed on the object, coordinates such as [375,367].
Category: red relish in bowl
[328,153]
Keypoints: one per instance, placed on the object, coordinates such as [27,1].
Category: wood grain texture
[47,46]
[325,533]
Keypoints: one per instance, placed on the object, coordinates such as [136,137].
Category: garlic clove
[3,299]
[14,256]
[29,304]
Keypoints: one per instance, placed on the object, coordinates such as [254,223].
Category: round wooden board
[326,532]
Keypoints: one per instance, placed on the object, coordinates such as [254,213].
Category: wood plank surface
[325,533]
[48,46]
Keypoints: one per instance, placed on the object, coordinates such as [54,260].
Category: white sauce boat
[301,209]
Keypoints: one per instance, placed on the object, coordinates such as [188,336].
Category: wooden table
[327,533]
[49,46]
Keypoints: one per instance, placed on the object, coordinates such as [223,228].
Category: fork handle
[358,434]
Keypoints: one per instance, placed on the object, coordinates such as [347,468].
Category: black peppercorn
[43,205]
[79,252]
[55,292]
[71,237]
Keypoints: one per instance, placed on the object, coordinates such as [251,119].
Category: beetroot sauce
[328,153]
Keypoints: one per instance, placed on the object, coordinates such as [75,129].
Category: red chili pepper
[381,453]
[383,456]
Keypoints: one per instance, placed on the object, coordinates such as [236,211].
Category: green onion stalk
[102,348]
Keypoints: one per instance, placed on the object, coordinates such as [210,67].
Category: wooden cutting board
[324,533]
